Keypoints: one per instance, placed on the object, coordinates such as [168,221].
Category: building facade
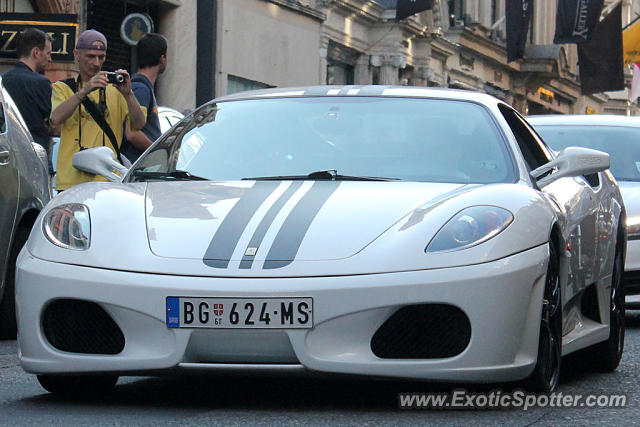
[224,46]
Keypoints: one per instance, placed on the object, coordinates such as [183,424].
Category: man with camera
[91,108]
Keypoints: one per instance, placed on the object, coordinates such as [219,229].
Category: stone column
[324,50]
[422,72]
[389,65]
[362,71]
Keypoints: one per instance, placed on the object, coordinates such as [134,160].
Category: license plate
[245,313]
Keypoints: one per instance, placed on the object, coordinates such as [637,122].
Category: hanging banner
[631,43]
[63,30]
[406,8]
[600,59]
[518,17]
[576,19]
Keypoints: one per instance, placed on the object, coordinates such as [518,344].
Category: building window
[375,75]
[238,84]
[494,11]
[7,6]
[532,21]
[339,74]
[456,13]
[341,61]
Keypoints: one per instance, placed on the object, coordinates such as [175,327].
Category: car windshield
[622,144]
[356,138]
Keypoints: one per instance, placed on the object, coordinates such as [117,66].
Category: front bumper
[502,300]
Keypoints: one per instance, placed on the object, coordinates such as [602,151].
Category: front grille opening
[425,331]
[589,304]
[78,326]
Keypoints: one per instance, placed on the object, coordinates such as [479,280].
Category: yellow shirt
[92,136]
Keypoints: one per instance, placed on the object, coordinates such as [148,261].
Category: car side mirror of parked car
[99,161]
[571,161]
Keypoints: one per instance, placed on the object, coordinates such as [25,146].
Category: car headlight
[470,227]
[68,226]
[633,228]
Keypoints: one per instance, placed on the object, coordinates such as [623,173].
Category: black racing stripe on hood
[287,242]
[267,220]
[226,239]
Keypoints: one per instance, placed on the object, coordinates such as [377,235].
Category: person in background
[77,103]
[152,61]
[28,87]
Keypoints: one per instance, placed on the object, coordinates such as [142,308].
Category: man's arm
[137,117]
[63,111]
[42,98]
[138,139]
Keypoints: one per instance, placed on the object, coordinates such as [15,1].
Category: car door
[577,201]
[9,190]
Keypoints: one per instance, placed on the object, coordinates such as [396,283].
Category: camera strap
[97,115]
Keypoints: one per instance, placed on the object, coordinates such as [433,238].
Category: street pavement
[272,400]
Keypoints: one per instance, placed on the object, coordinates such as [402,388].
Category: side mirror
[99,161]
[571,161]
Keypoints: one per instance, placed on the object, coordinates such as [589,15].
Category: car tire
[8,325]
[78,385]
[546,374]
[606,356]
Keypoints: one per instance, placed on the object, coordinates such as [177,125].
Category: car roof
[584,120]
[363,91]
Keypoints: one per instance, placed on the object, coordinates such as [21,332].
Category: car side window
[534,152]
[3,121]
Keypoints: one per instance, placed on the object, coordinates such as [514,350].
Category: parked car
[24,190]
[620,137]
[384,231]
[168,118]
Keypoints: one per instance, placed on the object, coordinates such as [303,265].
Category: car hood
[630,191]
[275,222]
[298,229]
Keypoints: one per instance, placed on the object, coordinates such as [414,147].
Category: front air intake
[425,331]
[78,326]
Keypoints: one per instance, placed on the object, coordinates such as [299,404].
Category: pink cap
[92,39]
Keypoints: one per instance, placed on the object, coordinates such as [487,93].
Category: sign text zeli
[63,30]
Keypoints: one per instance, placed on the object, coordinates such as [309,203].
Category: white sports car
[383,231]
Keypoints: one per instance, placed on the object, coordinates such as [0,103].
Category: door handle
[4,158]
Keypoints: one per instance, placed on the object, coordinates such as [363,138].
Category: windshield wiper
[177,175]
[328,175]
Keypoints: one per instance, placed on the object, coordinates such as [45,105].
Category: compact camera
[116,78]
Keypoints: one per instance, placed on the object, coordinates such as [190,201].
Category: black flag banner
[406,8]
[600,59]
[518,16]
[576,19]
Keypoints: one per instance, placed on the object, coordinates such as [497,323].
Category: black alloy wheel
[546,374]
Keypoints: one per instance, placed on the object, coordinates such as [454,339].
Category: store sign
[134,27]
[63,30]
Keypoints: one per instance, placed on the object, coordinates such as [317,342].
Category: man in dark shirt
[152,61]
[29,88]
